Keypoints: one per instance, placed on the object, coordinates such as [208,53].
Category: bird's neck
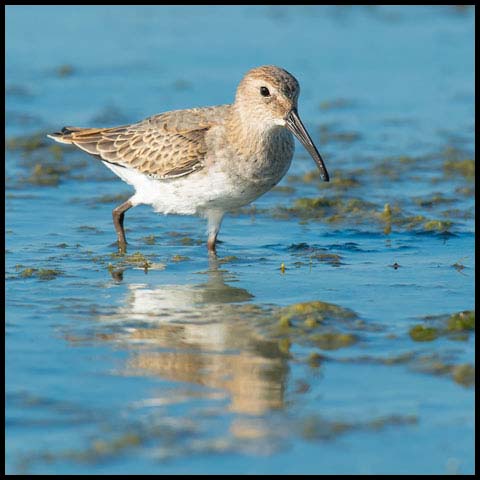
[249,135]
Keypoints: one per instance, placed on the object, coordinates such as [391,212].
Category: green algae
[394,216]
[311,176]
[312,253]
[410,222]
[382,422]
[315,359]
[421,333]
[464,374]
[330,209]
[461,322]
[183,240]
[319,310]
[98,450]
[332,259]
[228,259]
[42,162]
[342,182]
[284,345]
[401,358]
[27,143]
[40,273]
[433,200]
[314,324]
[179,258]
[65,70]
[455,327]
[333,340]
[457,213]
[287,190]
[465,168]
[48,273]
[398,359]
[135,260]
[313,204]
[28,272]
[437,225]
[316,428]
[406,160]
[386,216]
[110,447]
[339,180]
[149,239]
[284,321]
[310,322]
[57,152]
[430,364]
[467,191]
[46,174]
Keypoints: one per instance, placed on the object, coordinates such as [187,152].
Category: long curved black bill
[295,125]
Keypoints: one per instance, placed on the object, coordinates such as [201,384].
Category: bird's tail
[66,134]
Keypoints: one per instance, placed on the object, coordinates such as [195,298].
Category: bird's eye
[265,92]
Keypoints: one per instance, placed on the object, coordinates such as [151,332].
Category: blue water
[184,368]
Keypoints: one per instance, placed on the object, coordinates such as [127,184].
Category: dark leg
[212,245]
[118,215]
[214,221]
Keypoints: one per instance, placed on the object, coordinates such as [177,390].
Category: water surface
[324,338]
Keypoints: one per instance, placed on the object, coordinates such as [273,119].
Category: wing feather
[164,146]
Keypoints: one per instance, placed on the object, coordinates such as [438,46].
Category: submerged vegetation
[40,273]
[455,327]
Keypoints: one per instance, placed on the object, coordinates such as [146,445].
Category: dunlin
[205,161]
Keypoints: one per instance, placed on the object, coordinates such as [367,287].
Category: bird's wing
[164,146]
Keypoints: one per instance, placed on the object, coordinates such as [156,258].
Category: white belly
[193,194]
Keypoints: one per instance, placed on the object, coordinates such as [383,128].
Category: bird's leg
[118,215]
[212,245]
[214,221]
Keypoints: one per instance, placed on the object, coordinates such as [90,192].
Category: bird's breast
[263,160]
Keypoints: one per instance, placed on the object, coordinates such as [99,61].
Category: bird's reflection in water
[202,334]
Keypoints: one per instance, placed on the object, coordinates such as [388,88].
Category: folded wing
[165,146]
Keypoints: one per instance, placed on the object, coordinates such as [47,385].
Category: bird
[205,161]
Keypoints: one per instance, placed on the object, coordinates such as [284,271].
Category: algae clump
[420,333]
[464,374]
[317,310]
[437,225]
[333,340]
[462,321]
[180,258]
[40,273]
[463,167]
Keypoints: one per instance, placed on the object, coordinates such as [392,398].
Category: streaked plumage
[204,161]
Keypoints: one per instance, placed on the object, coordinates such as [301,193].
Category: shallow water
[165,362]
